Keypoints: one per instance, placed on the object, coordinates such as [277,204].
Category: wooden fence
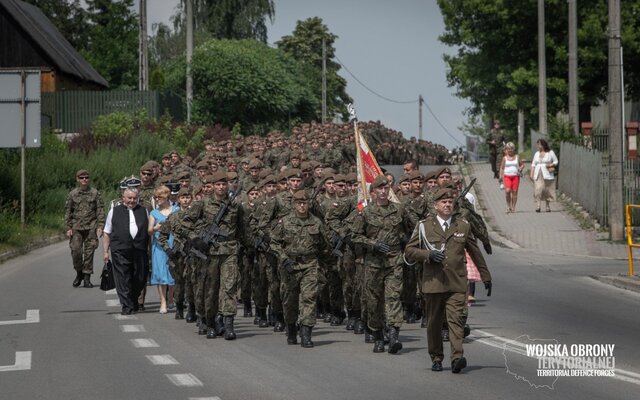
[74,111]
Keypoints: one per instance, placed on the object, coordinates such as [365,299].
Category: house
[29,40]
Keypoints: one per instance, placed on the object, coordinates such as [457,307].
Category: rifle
[466,189]
[213,235]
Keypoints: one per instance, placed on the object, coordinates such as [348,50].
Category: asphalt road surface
[59,342]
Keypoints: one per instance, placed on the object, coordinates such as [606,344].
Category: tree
[232,19]
[68,17]
[112,48]
[247,82]
[496,63]
[305,45]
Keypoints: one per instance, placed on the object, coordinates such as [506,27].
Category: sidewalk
[551,232]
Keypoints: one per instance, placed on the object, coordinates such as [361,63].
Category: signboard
[14,93]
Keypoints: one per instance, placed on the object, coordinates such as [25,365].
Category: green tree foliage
[232,19]
[247,82]
[68,17]
[496,63]
[305,45]
[112,48]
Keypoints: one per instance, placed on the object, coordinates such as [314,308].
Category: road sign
[19,104]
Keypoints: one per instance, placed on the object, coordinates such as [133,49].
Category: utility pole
[542,72]
[143,60]
[189,17]
[420,101]
[324,81]
[520,131]
[616,207]
[574,115]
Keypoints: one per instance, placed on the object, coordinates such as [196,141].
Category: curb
[621,281]
[32,246]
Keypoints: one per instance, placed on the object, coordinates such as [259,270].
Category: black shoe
[229,333]
[292,334]
[191,314]
[467,330]
[179,311]
[87,281]
[305,337]
[458,364]
[219,325]
[327,317]
[445,335]
[358,327]
[78,280]
[406,314]
[423,324]
[247,309]
[279,326]
[211,333]
[378,342]
[351,323]
[394,340]
[385,335]
[368,336]
[202,326]
[437,366]
[263,322]
[337,320]
[139,308]
[126,311]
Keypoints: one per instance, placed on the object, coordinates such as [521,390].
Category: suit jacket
[451,274]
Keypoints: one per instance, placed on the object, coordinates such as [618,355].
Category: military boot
[78,280]
[229,333]
[368,335]
[406,313]
[202,326]
[467,330]
[378,341]
[247,309]
[211,332]
[351,320]
[279,326]
[358,326]
[191,313]
[292,334]
[179,311]
[423,324]
[385,335]
[219,324]
[337,318]
[87,281]
[445,334]
[394,340]
[263,323]
[305,336]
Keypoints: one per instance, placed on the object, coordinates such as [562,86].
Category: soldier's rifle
[214,234]
[466,190]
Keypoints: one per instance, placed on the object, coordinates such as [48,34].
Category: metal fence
[75,110]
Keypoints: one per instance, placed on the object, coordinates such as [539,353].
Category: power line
[440,123]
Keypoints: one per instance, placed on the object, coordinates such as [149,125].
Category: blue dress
[160,274]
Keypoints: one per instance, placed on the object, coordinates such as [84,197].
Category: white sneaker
[502,186]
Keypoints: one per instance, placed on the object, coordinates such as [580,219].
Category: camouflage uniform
[84,213]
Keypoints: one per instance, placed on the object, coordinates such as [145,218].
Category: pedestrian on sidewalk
[510,172]
[543,167]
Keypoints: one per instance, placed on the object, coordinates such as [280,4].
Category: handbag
[551,169]
[107,281]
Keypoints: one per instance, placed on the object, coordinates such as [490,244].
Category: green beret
[300,195]
[443,194]
[404,178]
[82,172]
[380,181]
[414,175]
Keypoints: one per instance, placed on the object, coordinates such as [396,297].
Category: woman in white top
[510,171]
[543,168]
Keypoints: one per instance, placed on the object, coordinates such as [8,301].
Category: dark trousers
[450,308]
[130,267]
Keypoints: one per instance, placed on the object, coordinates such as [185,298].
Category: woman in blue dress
[160,274]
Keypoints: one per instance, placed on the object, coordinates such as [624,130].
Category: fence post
[632,139]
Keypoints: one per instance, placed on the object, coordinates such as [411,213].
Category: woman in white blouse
[543,168]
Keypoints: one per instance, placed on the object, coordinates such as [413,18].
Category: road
[80,348]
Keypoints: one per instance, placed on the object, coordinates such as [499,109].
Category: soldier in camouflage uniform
[299,239]
[248,257]
[84,219]
[383,228]
[177,253]
[147,187]
[221,274]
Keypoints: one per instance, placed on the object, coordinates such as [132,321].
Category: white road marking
[23,362]
[121,317]
[32,317]
[184,380]
[162,359]
[132,328]
[520,348]
[112,291]
[112,302]
[140,343]
[205,398]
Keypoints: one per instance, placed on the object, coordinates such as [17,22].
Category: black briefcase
[107,281]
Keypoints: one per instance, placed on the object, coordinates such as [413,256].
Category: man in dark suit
[126,234]
[438,243]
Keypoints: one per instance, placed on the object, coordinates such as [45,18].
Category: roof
[51,41]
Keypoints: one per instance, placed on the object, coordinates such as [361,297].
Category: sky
[391,47]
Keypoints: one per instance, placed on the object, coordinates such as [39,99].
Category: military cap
[207,178]
[174,187]
[404,178]
[182,175]
[172,152]
[202,165]
[265,172]
[255,164]
[153,163]
[166,179]
[295,154]
[283,175]
[443,194]
[306,166]
[147,167]
[166,155]
[300,195]
[430,175]
[222,143]
[293,173]
[314,164]
[82,172]
[451,185]
[253,186]
[269,179]
[351,177]
[219,176]
[327,175]
[415,175]
[232,176]
[184,191]
[380,181]
[339,178]
[244,161]
[442,171]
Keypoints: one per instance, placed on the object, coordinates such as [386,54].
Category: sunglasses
[83,177]
[146,173]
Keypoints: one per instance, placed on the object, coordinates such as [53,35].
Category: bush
[117,124]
